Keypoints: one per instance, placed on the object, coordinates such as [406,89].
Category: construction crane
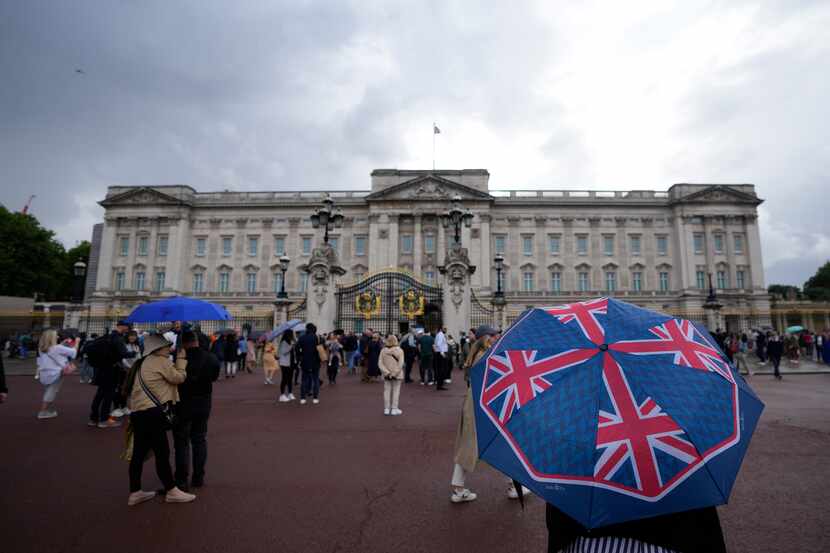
[28,204]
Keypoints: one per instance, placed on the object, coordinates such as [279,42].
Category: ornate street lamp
[327,217]
[456,216]
[284,261]
[499,261]
[79,273]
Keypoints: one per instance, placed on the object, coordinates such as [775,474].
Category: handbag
[166,408]
[323,352]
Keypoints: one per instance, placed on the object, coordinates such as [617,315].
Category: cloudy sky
[305,95]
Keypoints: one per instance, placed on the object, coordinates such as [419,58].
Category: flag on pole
[435,129]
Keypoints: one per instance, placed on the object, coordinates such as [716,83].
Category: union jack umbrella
[612,412]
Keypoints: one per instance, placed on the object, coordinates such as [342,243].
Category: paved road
[341,477]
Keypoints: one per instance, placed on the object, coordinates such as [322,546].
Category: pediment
[719,193]
[528,266]
[197,268]
[141,195]
[428,187]
[555,267]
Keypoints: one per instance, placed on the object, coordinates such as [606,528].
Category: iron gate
[389,302]
[480,314]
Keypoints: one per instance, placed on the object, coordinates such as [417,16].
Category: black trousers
[333,366]
[287,379]
[190,434]
[425,367]
[409,360]
[118,400]
[102,402]
[776,362]
[150,434]
[440,363]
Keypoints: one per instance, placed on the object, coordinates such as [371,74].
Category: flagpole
[433,145]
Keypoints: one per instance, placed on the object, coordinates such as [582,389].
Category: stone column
[176,254]
[752,247]
[681,243]
[441,246]
[323,269]
[418,247]
[486,260]
[281,310]
[375,251]
[394,240]
[457,270]
[104,280]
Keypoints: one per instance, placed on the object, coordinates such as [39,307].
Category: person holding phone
[53,361]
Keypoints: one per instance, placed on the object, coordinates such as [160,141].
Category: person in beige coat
[159,376]
[390,363]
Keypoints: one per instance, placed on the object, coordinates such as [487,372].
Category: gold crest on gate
[368,304]
[411,303]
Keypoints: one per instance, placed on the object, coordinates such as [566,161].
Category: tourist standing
[269,361]
[155,384]
[441,348]
[106,355]
[373,370]
[250,356]
[309,357]
[425,364]
[741,361]
[350,349]
[391,362]
[761,347]
[363,348]
[775,350]
[410,353]
[242,351]
[231,355]
[119,401]
[53,361]
[193,411]
[335,357]
[288,363]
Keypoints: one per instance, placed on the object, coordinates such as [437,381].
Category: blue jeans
[351,356]
[311,383]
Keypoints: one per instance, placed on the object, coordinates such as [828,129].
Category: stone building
[654,248]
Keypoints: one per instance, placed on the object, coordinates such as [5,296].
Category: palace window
[120,279]
[718,238]
[637,281]
[277,282]
[160,276]
[430,277]
[611,281]
[499,243]
[527,281]
[664,281]
[162,249]
[723,280]
[253,245]
[635,245]
[279,245]
[306,245]
[303,282]
[224,282]
[555,244]
[662,245]
[124,246]
[699,242]
[142,245]
[608,245]
[740,279]
[250,283]
[334,242]
[227,246]
[201,247]
[139,280]
[556,282]
[701,279]
[407,243]
[527,245]
[198,283]
[360,245]
[583,282]
[429,243]
[582,244]
[739,243]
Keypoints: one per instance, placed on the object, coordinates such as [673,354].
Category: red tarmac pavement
[341,477]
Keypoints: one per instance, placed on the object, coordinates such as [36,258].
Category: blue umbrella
[178,308]
[288,325]
[612,412]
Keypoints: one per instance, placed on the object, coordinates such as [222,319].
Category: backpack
[99,352]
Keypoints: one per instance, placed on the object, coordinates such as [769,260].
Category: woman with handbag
[151,395]
[53,362]
[390,363]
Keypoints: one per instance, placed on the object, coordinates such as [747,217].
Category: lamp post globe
[284,262]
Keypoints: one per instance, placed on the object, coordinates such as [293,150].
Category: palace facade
[654,248]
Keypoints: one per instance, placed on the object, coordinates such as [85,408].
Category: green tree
[31,260]
[817,288]
[784,290]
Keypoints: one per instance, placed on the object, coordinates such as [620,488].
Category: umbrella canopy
[612,412]
[178,308]
[288,325]
[794,329]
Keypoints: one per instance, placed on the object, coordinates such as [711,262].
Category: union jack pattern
[585,314]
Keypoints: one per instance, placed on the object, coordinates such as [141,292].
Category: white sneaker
[117,413]
[462,496]
[387,412]
[302,402]
[291,397]
[283,398]
[50,414]
[513,494]
[126,412]
[267,382]
[140,497]
[448,381]
[396,412]
[315,401]
[177,496]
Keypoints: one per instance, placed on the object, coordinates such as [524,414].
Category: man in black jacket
[193,411]
[106,378]
[309,364]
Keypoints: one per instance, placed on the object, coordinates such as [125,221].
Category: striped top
[611,544]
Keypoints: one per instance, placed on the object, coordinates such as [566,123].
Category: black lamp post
[456,216]
[79,274]
[327,217]
[712,298]
[284,261]
[499,261]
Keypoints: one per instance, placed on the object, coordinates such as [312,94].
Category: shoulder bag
[166,408]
